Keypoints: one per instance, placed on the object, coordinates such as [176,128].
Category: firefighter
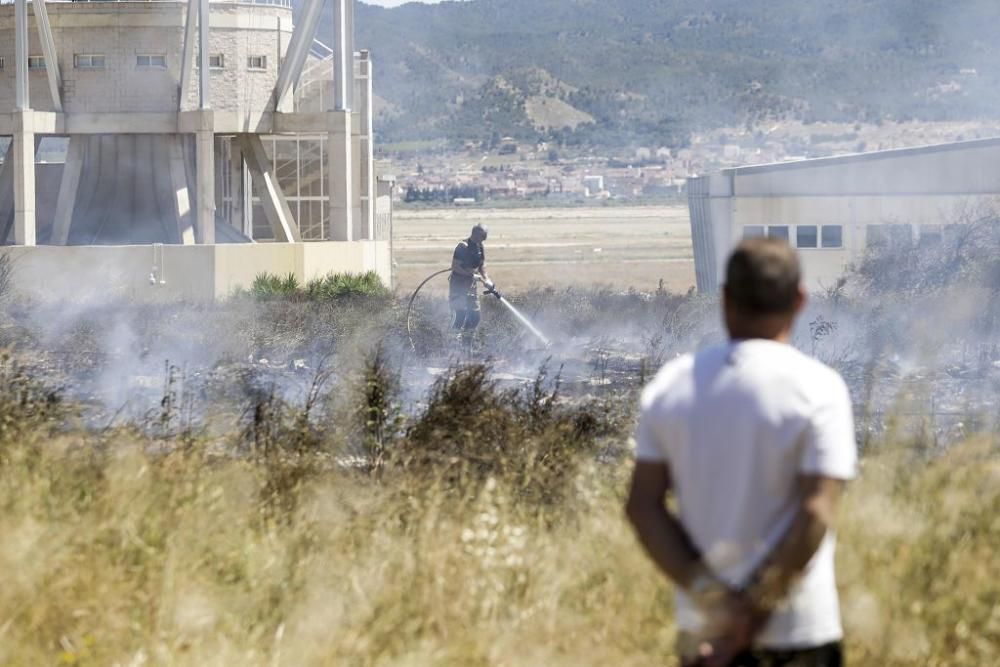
[468,265]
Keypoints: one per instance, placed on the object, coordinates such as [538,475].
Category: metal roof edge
[861,157]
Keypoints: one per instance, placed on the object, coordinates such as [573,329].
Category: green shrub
[344,285]
[333,286]
[269,285]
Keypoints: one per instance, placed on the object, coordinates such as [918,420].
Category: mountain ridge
[650,72]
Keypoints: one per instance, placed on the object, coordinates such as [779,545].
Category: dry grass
[116,555]
[469,525]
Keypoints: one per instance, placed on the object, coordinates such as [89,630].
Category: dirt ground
[617,246]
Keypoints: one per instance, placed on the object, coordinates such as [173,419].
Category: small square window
[894,235]
[832,236]
[88,61]
[953,233]
[256,62]
[777,232]
[753,231]
[217,61]
[805,236]
[36,62]
[151,61]
[931,235]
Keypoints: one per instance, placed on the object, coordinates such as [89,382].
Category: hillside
[626,71]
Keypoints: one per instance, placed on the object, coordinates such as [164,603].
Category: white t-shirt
[736,424]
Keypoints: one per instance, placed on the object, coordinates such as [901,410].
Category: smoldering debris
[923,361]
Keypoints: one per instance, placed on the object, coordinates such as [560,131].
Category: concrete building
[832,209]
[186,123]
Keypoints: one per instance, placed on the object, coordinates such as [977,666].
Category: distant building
[593,185]
[508,146]
[833,208]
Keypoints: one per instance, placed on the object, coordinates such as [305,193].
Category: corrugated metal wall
[702,235]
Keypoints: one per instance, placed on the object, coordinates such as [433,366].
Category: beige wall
[822,266]
[121,30]
[198,272]
[929,185]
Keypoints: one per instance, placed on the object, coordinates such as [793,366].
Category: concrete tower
[188,123]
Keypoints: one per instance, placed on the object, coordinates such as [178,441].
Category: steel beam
[298,50]
[279,215]
[187,60]
[68,187]
[49,49]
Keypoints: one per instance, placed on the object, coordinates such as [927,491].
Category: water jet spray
[489,289]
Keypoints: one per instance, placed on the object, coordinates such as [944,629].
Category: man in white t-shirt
[755,440]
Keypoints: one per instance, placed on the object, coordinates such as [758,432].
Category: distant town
[538,174]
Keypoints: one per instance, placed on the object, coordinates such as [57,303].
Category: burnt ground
[206,366]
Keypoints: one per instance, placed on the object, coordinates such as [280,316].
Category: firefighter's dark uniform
[462,293]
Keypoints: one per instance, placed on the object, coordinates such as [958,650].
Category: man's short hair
[763,276]
[481,228]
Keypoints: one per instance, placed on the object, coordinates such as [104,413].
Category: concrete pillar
[187,59]
[367,147]
[22,100]
[361,230]
[23,147]
[342,191]
[24,178]
[205,76]
[205,166]
[181,198]
[237,171]
[7,193]
[68,187]
[340,173]
[349,51]
[343,54]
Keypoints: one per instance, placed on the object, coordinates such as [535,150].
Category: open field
[290,479]
[377,519]
[619,246]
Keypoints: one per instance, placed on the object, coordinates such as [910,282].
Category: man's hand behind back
[732,624]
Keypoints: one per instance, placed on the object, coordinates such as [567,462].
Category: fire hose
[409,306]
[489,288]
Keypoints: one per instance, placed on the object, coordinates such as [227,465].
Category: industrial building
[175,149]
[832,209]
